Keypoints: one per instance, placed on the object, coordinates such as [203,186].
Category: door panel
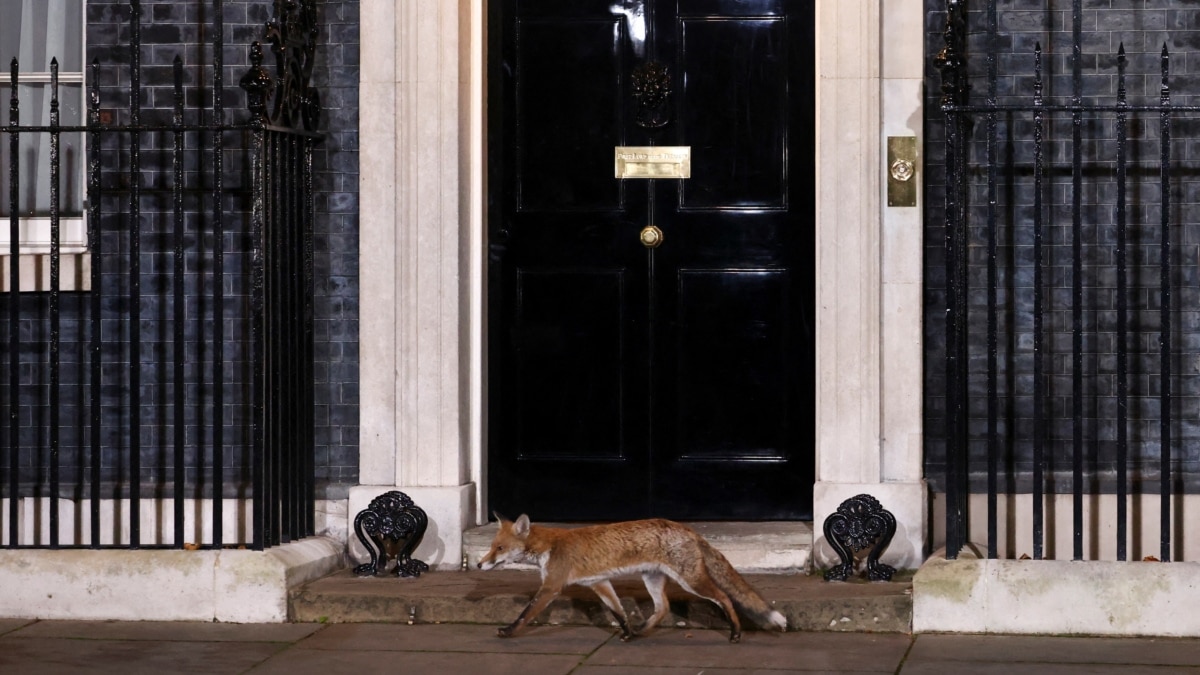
[739,148]
[569,328]
[563,117]
[566,297]
[725,344]
[673,381]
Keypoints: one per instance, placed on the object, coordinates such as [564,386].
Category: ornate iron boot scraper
[859,522]
[395,526]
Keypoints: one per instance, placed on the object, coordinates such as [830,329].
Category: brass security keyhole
[651,236]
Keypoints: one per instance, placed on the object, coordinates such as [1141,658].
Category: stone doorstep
[497,597]
[778,547]
[775,557]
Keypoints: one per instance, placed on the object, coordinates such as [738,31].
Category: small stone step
[498,596]
[777,547]
[774,556]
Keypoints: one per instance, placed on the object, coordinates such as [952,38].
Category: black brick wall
[1143,26]
[171,28]
[337,250]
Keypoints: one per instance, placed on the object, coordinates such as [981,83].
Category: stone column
[869,271]
[416,218]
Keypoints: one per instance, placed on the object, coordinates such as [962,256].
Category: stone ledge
[231,585]
[1055,597]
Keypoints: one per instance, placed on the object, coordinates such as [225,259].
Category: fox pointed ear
[521,525]
[499,516]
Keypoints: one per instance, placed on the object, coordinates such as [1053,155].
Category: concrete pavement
[445,622]
[131,648]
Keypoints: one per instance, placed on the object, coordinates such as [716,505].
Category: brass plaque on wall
[665,161]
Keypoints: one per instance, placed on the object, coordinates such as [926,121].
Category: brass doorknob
[651,236]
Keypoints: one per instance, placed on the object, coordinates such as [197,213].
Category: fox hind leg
[608,596]
[656,586]
[705,588]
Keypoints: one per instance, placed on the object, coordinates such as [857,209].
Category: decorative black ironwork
[858,523]
[1058,191]
[286,111]
[258,83]
[395,527]
[102,334]
[296,104]
[652,91]
[951,61]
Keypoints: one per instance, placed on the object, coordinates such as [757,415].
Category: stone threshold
[773,547]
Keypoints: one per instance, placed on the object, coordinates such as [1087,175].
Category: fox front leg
[535,607]
[609,597]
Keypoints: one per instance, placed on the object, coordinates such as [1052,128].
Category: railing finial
[287,98]
[951,60]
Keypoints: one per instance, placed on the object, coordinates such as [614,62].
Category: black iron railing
[177,382]
[1062,347]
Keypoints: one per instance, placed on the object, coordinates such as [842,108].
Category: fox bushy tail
[742,594]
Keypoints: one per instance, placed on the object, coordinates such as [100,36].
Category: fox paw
[504,632]
[735,638]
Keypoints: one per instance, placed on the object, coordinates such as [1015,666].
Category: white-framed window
[34,32]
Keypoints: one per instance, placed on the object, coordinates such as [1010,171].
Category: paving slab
[311,662]
[982,668]
[163,631]
[578,640]
[801,652]
[497,597]
[683,670]
[38,656]
[7,625]
[131,648]
[1016,649]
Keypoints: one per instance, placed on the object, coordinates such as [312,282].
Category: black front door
[628,381]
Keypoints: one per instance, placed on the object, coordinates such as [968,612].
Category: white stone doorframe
[869,261]
[422,327]
[421,214]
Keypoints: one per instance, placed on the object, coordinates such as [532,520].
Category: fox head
[509,544]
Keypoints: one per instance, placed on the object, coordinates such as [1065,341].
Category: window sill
[74,272]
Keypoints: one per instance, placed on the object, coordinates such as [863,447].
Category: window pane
[34,31]
[34,152]
[35,104]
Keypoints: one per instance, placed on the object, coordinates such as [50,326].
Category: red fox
[594,555]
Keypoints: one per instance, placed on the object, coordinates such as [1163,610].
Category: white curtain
[42,32]
[34,31]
